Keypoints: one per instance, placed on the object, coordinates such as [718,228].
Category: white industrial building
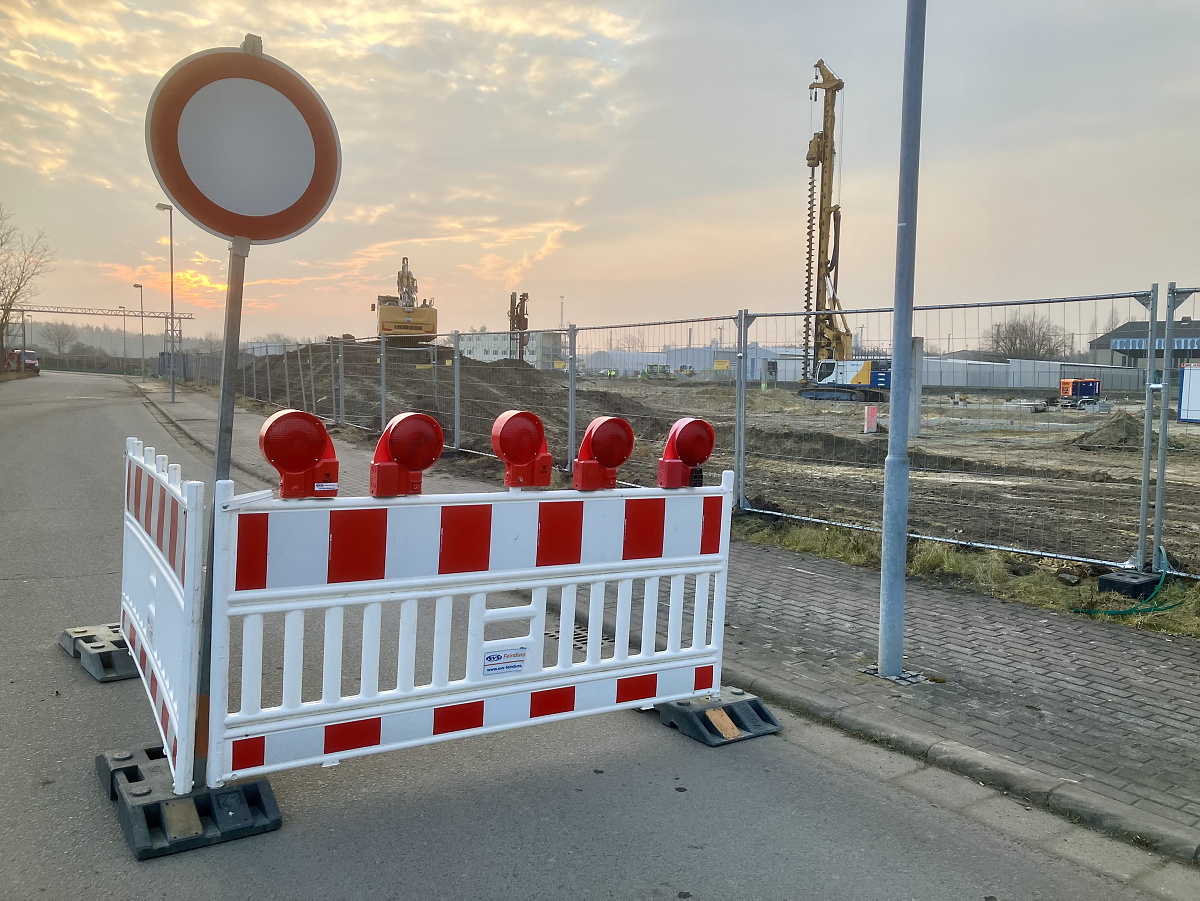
[543,350]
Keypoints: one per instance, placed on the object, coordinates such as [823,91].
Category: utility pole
[895,477]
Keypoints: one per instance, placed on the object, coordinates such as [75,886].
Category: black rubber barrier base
[102,651]
[731,716]
[1132,585]
[157,822]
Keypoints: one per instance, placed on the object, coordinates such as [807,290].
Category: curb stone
[1060,796]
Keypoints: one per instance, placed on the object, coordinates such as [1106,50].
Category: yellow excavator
[402,315]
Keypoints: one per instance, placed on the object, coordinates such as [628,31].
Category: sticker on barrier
[346,586]
[161,596]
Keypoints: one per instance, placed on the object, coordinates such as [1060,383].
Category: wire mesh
[999,458]
[654,374]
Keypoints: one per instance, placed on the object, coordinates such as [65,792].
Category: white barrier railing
[482,575]
[161,596]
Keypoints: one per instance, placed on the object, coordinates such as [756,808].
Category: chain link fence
[1028,433]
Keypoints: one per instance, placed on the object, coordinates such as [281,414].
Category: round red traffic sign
[243,145]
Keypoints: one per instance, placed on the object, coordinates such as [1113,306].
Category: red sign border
[166,107]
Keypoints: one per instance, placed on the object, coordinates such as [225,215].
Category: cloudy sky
[642,160]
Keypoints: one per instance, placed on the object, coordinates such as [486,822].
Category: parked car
[13,362]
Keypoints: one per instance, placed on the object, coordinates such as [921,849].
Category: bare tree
[60,334]
[1029,339]
[23,260]
[212,342]
[632,343]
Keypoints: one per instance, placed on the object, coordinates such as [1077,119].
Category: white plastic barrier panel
[348,584]
[161,594]
[1189,393]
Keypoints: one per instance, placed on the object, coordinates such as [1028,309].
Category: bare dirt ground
[1060,482]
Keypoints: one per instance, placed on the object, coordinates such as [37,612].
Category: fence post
[243,362]
[254,371]
[739,415]
[1159,556]
[333,397]
[287,379]
[572,336]
[342,379]
[457,393]
[382,383]
[1151,303]
[300,370]
[267,357]
[916,381]
[312,380]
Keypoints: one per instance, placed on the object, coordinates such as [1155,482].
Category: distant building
[1126,344]
[543,350]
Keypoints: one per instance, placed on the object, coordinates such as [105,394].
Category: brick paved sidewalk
[1110,707]
[1106,708]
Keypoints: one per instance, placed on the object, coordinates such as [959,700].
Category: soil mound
[1120,430]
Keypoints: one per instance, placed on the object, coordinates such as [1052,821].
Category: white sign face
[246,147]
[242,145]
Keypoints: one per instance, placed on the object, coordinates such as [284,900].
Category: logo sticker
[503,663]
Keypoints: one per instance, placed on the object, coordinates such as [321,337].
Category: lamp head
[163,206]
[136,285]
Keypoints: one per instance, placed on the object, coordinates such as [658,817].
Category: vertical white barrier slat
[649,616]
[331,672]
[406,658]
[675,616]
[371,637]
[566,626]
[700,613]
[475,626]
[595,622]
[293,658]
[624,605]
[252,635]
[537,632]
[441,641]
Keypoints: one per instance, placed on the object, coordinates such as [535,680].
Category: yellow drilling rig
[828,327]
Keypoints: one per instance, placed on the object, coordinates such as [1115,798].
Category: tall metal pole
[341,380]
[124,344]
[739,411]
[1173,300]
[1148,431]
[895,477]
[239,249]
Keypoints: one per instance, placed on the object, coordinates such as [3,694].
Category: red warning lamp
[519,439]
[297,445]
[689,445]
[607,444]
[411,443]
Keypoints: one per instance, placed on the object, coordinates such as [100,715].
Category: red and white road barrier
[161,595]
[487,571]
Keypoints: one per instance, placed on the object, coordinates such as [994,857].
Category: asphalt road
[614,806]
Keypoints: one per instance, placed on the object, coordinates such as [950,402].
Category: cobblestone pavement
[1112,707]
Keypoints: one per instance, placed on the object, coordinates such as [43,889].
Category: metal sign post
[246,149]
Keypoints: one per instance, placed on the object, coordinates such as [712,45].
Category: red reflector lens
[694,443]
[612,442]
[416,442]
[294,443]
[520,439]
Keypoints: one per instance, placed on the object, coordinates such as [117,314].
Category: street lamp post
[171,227]
[124,350]
[142,308]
